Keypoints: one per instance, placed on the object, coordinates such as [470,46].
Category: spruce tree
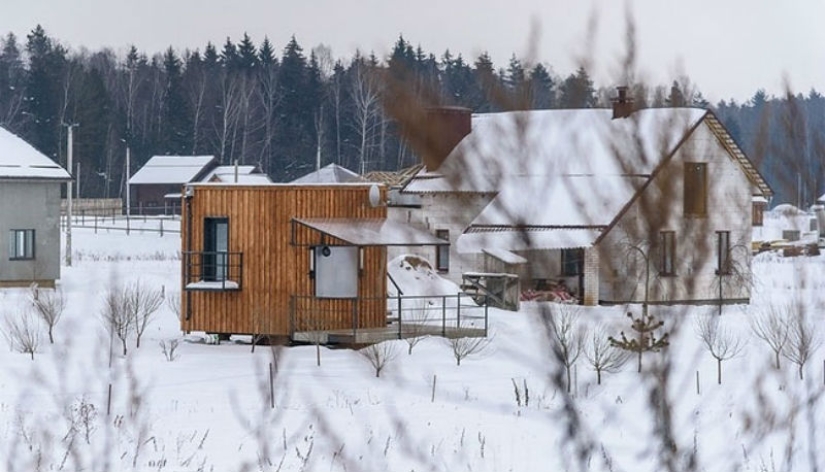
[644,340]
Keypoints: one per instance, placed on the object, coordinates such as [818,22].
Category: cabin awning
[371,232]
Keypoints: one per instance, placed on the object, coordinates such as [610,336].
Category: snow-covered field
[210,409]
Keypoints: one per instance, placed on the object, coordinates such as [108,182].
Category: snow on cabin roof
[372,232]
[222,171]
[171,169]
[245,179]
[330,174]
[20,160]
[557,142]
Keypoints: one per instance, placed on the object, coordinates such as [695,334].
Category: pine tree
[47,63]
[12,84]
[175,132]
[577,90]
[247,55]
[542,88]
[645,339]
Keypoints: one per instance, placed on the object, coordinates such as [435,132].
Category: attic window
[758,213]
[696,189]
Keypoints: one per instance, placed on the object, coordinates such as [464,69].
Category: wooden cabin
[282,258]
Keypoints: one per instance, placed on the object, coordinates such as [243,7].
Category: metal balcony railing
[213,270]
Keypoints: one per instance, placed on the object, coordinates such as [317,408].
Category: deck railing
[205,270]
[459,315]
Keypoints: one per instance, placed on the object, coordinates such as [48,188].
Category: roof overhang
[525,240]
[370,232]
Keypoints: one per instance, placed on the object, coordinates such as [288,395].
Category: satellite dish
[375,196]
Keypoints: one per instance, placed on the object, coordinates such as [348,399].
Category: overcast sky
[729,48]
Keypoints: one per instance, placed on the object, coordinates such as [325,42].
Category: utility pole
[69,196]
[128,176]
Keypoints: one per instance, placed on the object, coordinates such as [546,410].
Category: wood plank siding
[276,267]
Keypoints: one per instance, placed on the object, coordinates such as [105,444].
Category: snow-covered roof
[503,147]
[514,240]
[505,256]
[243,179]
[20,160]
[332,173]
[171,169]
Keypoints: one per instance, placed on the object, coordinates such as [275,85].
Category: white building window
[21,244]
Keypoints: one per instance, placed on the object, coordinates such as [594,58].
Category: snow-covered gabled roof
[503,147]
[523,240]
[20,160]
[244,179]
[331,174]
[171,169]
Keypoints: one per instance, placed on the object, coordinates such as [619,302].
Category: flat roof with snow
[371,232]
[171,169]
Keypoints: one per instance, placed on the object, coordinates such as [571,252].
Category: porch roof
[527,239]
[371,232]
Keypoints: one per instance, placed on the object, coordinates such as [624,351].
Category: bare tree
[803,339]
[601,355]
[168,348]
[22,333]
[720,342]
[49,305]
[142,304]
[116,315]
[379,355]
[365,96]
[568,336]
[173,302]
[771,326]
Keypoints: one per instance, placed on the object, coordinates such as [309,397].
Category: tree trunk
[800,369]
[640,362]
[719,371]
[776,354]
[598,376]
[567,369]
[123,341]
[51,338]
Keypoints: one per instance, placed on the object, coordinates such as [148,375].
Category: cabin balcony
[212,271]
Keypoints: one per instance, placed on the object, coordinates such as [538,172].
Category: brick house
[599,199]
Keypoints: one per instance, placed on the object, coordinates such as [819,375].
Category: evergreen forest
[286,109]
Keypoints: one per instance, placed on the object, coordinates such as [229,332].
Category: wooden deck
[391,331]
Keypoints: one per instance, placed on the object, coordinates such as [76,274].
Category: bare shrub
[49,306]
[568,336]
[602,355]
[379,355]
[22,332]
[173,302]
[415,327]
[464,347]
[719,341]
[803,339]
[771,326]
[168,348]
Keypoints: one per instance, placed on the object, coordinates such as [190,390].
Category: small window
[572,261]
[696,189]
[758,213]
[667,252]
[442,254]
[723,262]
[813,225]
[21,244]
[791,234]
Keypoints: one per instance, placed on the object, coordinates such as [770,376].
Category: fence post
[95,223]
[486,305]
[354,318]
[458,311]
[161,227]
[444,316]
[127,224]
[399,316]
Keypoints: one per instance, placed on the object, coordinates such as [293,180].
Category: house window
[442,253]
[791,234]
[723,262]
[696,189]
[667,252]
[21,244]
[572,261]
[758,213]
[215,248]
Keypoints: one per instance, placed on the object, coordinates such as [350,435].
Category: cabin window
[696,189]
[572,261]
[758,213]
[667,252]
[442,253]
[21,244]
[215,249]
[723,261]
[336,271]
[791,234]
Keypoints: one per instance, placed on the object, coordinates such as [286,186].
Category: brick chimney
[622,104]
[445,128]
